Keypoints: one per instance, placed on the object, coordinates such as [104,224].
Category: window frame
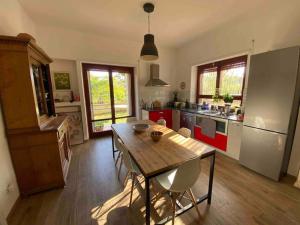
[110,68]
[218,65]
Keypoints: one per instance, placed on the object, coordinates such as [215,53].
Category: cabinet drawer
[62,130]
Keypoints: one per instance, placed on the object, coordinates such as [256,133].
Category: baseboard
[13,209]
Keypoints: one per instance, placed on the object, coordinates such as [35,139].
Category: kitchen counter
[203,112]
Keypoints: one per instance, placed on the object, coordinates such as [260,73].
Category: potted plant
[228,99]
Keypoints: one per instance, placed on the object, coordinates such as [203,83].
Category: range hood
[154,77]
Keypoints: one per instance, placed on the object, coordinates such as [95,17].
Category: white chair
[179,181]
[132,168]
[162,122]
[117,147]
[131,119]
[185,132]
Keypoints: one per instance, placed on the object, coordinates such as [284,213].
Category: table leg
[113,145]
[211,177]
[147,188]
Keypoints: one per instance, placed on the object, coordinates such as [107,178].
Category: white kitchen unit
[175,119]
[234,139]
[145,115]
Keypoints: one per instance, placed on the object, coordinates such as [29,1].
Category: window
[109,94]
[222,77]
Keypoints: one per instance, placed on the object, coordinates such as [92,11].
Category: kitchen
[207,81]
[222,124]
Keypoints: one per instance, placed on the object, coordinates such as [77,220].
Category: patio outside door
[109,95]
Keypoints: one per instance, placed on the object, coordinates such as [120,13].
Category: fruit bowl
[156,135]
[140,127]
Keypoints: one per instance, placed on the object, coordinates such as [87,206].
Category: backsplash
[150,94]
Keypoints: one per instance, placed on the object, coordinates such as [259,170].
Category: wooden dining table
[155,158]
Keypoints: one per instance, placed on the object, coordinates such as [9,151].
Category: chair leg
[118,157]
[120,168]
[133,177]
[194,201]
[173,197]
[126,179]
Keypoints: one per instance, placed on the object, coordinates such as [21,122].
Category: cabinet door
[220,141]
[162,114]
[145,115]
[234,139]
[175,120]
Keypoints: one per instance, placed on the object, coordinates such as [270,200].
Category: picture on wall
[62,81]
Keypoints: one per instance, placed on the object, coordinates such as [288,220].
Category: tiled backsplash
[150,94]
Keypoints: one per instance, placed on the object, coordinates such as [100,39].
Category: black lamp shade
[149,51]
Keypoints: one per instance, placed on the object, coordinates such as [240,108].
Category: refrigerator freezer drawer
[263,151]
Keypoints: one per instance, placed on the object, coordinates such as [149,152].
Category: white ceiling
[173,22]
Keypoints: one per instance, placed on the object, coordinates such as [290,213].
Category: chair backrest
[186,175]
[162,122]
[117,140]
[127,158]
[185,132]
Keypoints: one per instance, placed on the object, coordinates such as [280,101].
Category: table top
[154,158]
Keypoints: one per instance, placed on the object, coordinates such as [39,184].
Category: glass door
[109,92]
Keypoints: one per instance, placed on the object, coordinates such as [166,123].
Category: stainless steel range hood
[154,77]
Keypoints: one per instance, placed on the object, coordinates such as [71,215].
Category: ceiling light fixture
[149,51]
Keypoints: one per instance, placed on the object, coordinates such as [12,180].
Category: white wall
[274,27]
[70,44]
[62,65]
[14,20]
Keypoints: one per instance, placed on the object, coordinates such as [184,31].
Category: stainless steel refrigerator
[271,109]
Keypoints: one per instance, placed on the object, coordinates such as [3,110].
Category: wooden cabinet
[38,140]
[165,114]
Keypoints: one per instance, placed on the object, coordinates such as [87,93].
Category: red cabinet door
[165,114]
[220,141]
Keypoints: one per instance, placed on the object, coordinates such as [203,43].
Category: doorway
[109,94]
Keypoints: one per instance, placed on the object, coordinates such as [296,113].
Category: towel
[208,127]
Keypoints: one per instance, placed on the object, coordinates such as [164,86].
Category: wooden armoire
[38,140]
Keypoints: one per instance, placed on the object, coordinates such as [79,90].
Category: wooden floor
[93,195]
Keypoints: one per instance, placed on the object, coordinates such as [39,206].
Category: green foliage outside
[100,96]
[208,83]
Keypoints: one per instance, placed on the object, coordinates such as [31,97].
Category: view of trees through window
[232,81]
[208,83]
[100,97]
[222,77]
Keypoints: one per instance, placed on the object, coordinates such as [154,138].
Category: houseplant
[228,99]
